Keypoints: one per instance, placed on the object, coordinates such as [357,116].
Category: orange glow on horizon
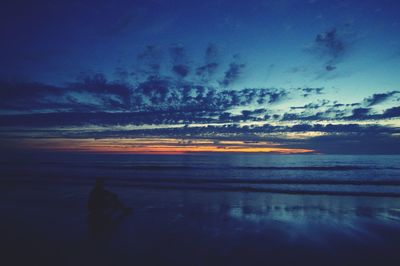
[157,146]
[195,149]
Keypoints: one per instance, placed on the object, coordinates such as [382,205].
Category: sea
[201,209]
[365,175]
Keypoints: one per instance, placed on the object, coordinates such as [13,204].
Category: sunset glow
[157,146]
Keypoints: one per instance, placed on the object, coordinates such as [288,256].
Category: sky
[158,76]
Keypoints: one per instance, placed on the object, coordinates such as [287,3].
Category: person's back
[101,199]
[96,197]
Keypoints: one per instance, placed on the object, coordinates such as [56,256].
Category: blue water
[183,214]
[374,175]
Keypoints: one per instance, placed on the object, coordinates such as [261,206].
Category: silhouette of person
[105,209]
[102,200]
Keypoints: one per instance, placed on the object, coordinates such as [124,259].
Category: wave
[285,168]
[270,190]
[339,187]
[175,167]
[359,181]
[376,182]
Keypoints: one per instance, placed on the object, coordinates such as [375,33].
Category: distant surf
[293,174]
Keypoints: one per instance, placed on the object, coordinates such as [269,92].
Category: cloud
[360,113]
[181,70]
[97,84]
[311,105]
[259,114]
[166,100]
[89,92]
[180,66]
[330,68]
[360,143]
[391,112]
[332,113]
[302,117]
[211,63]
[233,72]
[207,71]
[211,53]
[157,99]
[378,98]
[365,114]
[150,60]
[311,91]
[26,95]
[332,46]
[11,90]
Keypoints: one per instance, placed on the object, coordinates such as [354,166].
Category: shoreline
[181,227]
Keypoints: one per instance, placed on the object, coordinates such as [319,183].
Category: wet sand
[47,224]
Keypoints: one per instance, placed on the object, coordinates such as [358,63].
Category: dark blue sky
[301,73]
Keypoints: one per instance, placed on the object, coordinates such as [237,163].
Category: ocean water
[202,210]
[369,175]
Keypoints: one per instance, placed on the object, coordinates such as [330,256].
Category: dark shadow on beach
[50,225]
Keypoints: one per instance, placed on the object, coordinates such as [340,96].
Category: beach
[49,225]
[45,222]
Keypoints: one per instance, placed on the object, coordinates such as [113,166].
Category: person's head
[99,182]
